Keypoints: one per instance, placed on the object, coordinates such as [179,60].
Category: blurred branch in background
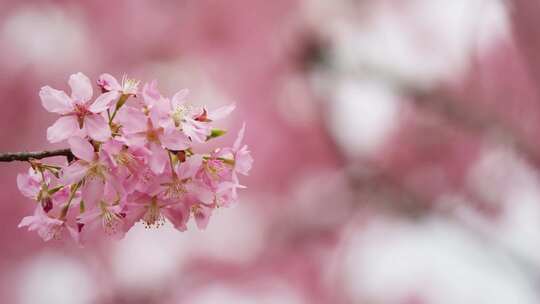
[367,176]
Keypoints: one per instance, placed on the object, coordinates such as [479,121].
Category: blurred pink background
[395,144]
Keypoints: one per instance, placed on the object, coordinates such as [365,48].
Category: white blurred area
[392,260]
[416,41]
[53,278]
[46,37]
[503,177]
[363,113]
[275,292]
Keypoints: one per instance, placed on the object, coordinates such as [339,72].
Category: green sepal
[55,189]
[216,133]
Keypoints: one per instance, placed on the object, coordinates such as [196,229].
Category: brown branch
[26,156]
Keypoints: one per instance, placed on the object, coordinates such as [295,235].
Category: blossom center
[81,110]
[110,220]
[129,85]
[153,218]
[175,189]
[215,168]
[178,116]
[96,170]
[152,135]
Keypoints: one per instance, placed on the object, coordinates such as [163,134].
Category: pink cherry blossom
[107,216]
[152,210]
[47,227]
[79,115]
[40,187]
[137,158]
[242,157]
[108,83]
[30,183]
[177,114]
[140,131]
[90,169]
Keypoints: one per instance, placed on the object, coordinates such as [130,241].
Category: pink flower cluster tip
[138,157]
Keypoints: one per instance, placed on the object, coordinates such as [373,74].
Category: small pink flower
[242,160]
[29,183]
[90,167]
[79,114]
[153,211]
[140,131]
[214,171]
[127,164]
[227,193]
[46,226]
[176,113]
[32,185]
[106,217]
[242,157]
[108,83]
[183,184]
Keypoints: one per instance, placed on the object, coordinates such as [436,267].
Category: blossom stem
[121,101]
[223,159]
[72,193]
[172,163]
[26,156]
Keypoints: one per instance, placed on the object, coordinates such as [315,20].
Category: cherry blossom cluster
[137,157]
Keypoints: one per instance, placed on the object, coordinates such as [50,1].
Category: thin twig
[26,156]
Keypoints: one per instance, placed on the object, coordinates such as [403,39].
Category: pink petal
[75,235]
[89,216]
[132,120]
[55,101]
[81,88]
[28,187]
[134,214]
[221,112]
[197,131]
[81,148]
[243,161]
[136,140]
[178,215]
[174,140]
[73,173]
[239,138]
[201,192]
[202,216]
[108,82]
[111,148]
[92,191]
[158,160]
[159,113]
[179,98]
[103,102]
[150,93]
[46,227]
[26,221]
[189,167]
[97,127]
[62,129]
